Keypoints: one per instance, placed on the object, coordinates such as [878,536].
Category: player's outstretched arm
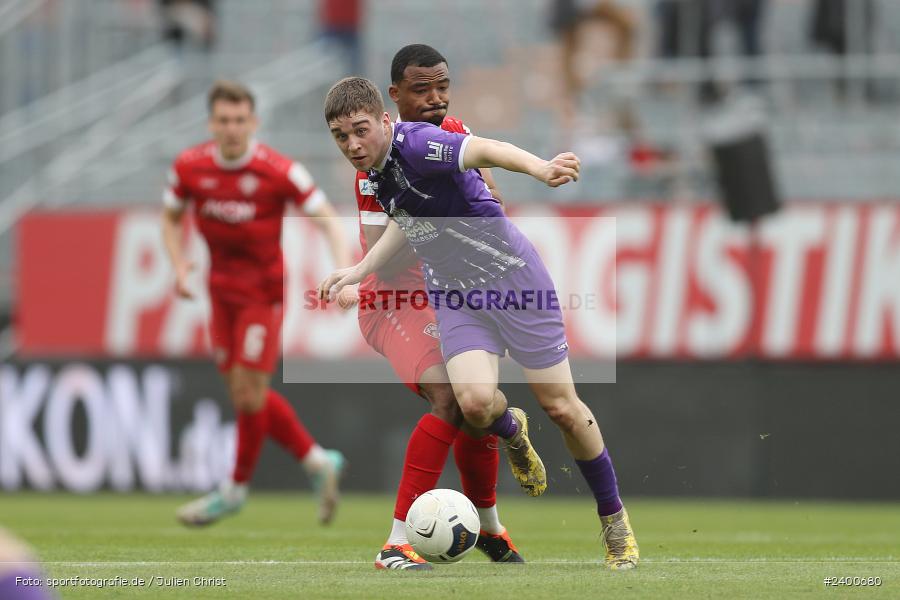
[391,242]
[492,186]
[486,153]
[328,222]
[171,233]
[403,260]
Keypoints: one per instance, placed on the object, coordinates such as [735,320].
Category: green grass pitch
[274,549]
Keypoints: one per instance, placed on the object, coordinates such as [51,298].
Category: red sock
[251,432]
[285,426]
[477,461]
[426,454]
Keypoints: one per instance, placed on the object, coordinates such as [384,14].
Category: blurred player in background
[240,190]
[423,175]
[420,87]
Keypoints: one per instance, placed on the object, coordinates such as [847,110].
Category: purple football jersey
[467,244]
[447,212]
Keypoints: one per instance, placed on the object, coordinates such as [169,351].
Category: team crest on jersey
[248,184]
[366,188]
[432,330]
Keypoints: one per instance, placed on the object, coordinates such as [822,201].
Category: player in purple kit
[489,288]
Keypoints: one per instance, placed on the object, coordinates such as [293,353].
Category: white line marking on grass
[664,561]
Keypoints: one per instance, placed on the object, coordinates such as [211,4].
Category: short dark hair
[350,95]
[414,55]
[230,91]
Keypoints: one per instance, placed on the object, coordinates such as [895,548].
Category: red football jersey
[371,213]
[238,206]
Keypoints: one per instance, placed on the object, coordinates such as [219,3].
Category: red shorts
[248,335]
[408,338]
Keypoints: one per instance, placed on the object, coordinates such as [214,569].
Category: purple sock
[505,426]
[601,478]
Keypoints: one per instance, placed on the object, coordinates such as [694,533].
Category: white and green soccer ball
[442,526]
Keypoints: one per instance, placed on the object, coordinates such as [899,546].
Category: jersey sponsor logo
[366,188]
[248,184]
[435,151]
[432,330]
[229,211]
[417,230]
[439,152]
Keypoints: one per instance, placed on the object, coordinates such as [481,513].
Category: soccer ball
[442,526]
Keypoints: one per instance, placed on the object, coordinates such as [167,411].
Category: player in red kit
[408,338]
[239,190]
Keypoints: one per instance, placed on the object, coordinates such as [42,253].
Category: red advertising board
[816,281]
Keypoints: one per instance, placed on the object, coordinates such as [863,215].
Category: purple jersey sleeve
[432,151]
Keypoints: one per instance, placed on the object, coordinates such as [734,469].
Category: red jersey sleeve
[176,194]
[302,189]
[370,212]
[455,125]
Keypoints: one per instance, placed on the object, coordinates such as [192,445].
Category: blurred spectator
[687,28]
[834,28]
[340,22]
[569,19]
[843,29]
[673,18]
[193,20]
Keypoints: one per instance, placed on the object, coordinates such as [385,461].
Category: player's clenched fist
[332,285]
[562,169]
[348,297]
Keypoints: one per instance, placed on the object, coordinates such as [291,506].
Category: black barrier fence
[687,429]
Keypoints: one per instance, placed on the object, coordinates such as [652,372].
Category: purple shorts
[519,313]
